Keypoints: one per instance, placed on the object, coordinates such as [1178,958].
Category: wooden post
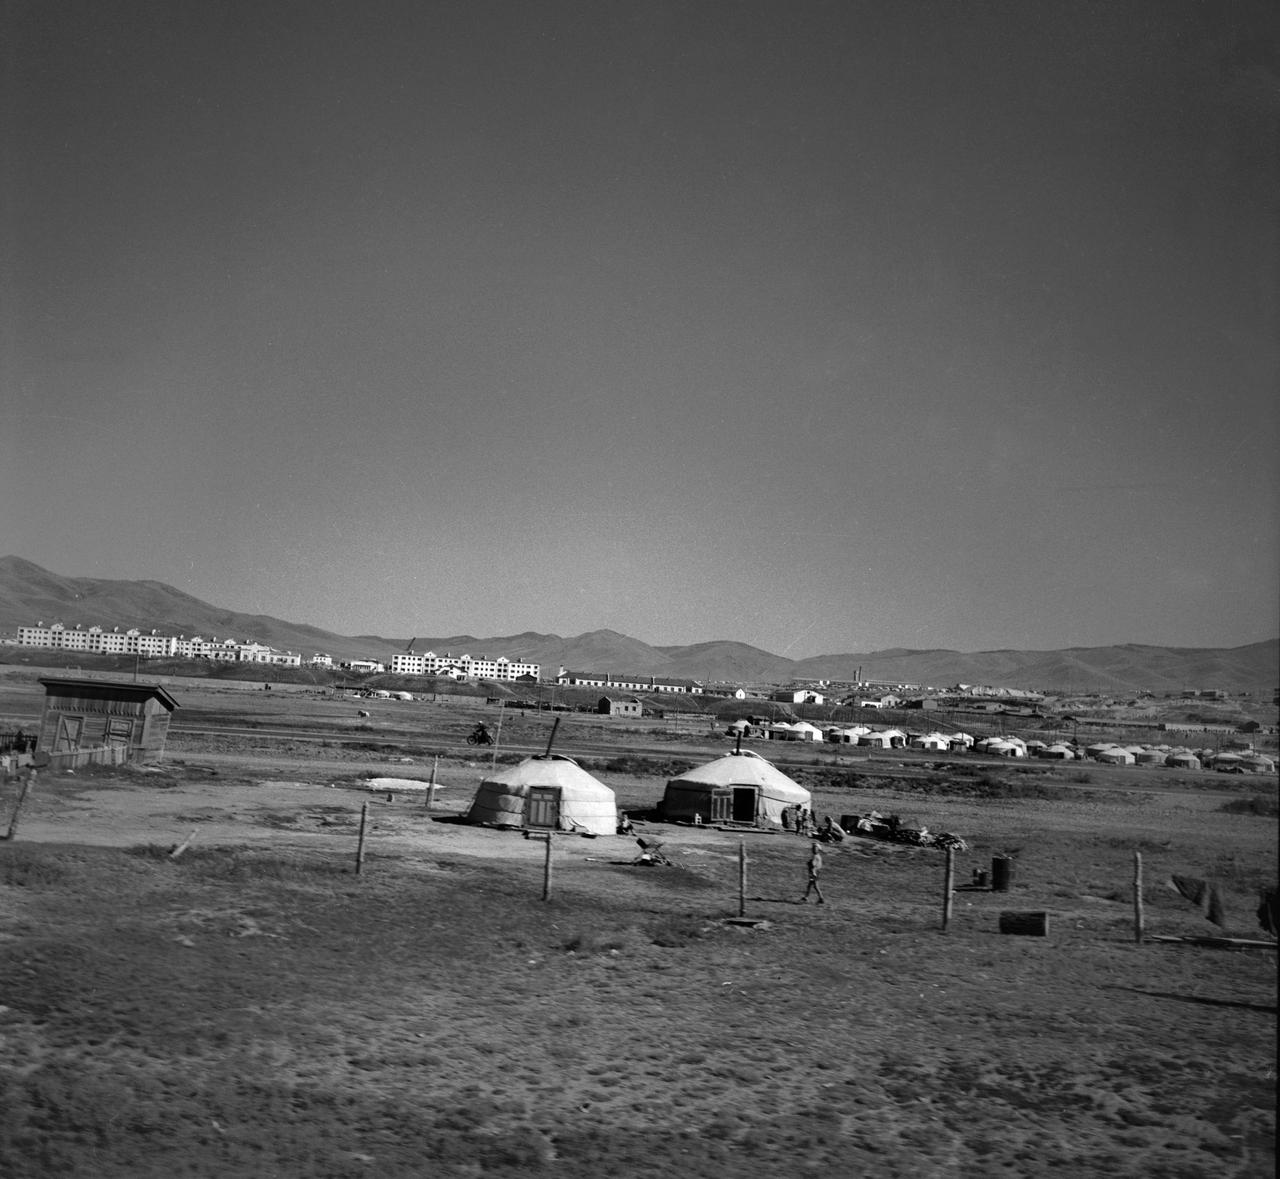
[948,887]
[431,786]
[1138,918]
[493,755]
[364,819]
[22,797]
[546,870]
[186,843]
[742,878]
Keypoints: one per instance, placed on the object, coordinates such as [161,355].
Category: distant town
[97,640]
[858,693]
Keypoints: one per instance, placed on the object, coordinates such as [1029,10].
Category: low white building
[362,665]
[627,681]
[798,696]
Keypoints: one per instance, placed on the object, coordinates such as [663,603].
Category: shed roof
[108,690]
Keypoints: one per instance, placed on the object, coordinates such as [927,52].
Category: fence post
[22,797]
[1138,916]
[546,870]
[742,878]
[493,755]
[948,887]
[364,819]
[431,786]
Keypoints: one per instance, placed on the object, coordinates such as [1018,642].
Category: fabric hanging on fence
[1204,895]
[1269,911]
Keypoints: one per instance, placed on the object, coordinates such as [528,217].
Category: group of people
[797,818]
[800,819]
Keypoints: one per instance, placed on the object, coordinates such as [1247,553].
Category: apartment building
[96,640]
[463,666]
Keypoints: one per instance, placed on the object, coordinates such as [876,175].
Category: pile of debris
[895,829]
[651,855]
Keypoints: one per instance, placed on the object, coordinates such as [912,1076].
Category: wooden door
[721,804]
[69,730]
[543,809]
[120,731]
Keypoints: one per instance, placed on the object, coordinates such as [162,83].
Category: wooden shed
[611,706]
[129,719]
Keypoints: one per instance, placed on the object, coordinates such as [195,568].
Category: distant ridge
[29,593]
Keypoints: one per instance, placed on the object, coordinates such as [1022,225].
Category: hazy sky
[821,326]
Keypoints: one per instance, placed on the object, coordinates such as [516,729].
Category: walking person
[815,870]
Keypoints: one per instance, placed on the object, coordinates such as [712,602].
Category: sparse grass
[26,867]
[596,941]
[651,767]
[983,785]
[260,1010]
[677,931]
[239,864]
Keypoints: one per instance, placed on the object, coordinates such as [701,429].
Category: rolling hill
[29,594]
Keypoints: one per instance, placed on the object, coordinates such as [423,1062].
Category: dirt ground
[255,1008]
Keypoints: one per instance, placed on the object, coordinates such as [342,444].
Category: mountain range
[30,594]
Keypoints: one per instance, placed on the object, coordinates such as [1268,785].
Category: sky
[822,326]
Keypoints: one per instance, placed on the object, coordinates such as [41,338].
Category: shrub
[1257,805]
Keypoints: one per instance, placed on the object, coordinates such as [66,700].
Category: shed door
[544,807]
[721,804]
[68,738]
[120,731]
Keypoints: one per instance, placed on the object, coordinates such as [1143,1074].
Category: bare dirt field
[256,1008]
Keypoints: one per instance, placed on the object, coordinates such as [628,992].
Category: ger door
[744,804]
[721,804]
[544,807]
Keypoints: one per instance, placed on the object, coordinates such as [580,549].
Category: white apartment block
[94,640]
[463,667]
[261,653]
[201,648]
